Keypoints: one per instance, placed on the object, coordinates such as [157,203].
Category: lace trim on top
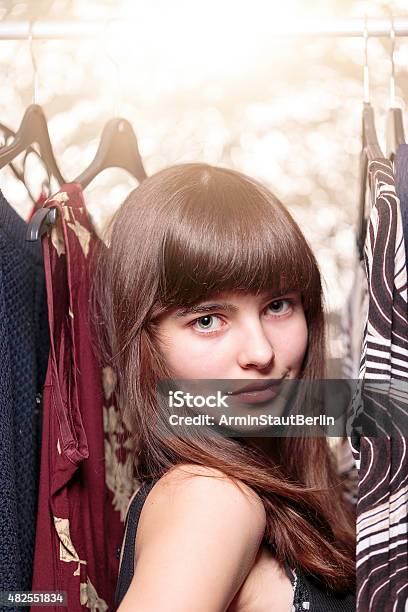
[301,597]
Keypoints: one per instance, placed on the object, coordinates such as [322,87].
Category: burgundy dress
[86,477]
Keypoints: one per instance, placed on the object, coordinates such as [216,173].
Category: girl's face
[236,336]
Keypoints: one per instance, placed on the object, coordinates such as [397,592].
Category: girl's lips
[256,396]
[257,385]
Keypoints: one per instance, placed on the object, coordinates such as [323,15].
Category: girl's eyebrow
[200,308]
[227,306]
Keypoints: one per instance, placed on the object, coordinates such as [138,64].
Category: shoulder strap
[128,557]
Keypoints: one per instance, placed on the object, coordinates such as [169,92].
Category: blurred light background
[212,82]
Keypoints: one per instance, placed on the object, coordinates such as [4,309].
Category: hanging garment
[382,508]
[352,325]
[307,593]
[347,471]
[24,348]
[401,184]
[86,478]
[353,320]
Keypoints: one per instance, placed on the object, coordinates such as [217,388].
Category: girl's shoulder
[194,492]
[195,526]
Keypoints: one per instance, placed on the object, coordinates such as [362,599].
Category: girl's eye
[206,324]
[276,307]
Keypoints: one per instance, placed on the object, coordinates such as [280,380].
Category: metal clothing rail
[85,29]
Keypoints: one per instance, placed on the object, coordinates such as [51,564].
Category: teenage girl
[207,276]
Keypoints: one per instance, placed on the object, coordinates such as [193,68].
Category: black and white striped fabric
[382,506]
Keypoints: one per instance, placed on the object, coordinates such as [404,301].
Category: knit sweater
[24,348]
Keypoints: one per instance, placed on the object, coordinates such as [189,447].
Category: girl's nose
[256,349]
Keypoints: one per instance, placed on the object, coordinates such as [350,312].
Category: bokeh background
[212,82]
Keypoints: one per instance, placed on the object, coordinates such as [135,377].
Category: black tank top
[307,593]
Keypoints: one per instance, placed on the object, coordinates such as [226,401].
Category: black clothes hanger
[17,173]
[33,130]
[40,222]
[20,174]
[118,148]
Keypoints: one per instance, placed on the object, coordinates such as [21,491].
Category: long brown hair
[187,232]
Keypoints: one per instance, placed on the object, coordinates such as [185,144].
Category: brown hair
[184,234]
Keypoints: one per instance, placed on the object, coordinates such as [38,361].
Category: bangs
[232,237]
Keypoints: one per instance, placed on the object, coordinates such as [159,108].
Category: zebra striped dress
[382,506]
